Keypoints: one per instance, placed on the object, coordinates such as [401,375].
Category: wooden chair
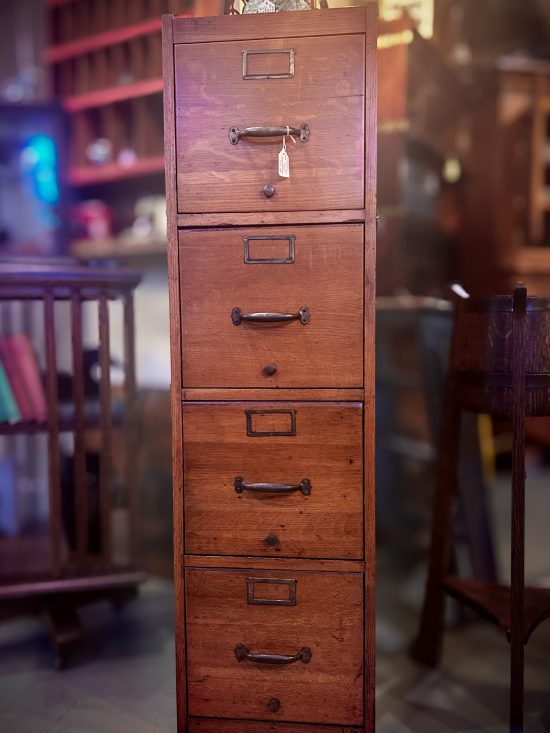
[412,352]
[500,365]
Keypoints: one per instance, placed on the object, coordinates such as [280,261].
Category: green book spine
[9,411]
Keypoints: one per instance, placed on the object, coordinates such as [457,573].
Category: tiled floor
[125,684]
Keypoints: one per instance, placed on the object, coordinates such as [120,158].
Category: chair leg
[516,686]
[427,645]
[517,585]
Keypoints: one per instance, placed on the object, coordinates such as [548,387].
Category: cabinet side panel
[175,356]
[369,342]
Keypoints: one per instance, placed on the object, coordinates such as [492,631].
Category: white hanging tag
[267,6]
[284,163]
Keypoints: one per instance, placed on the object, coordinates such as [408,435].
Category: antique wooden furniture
[106,70]
[507,229]
[420,101]
[77,540]
[499,365]
[272,322]
[412,353]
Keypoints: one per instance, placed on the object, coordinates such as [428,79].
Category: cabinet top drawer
[228,93]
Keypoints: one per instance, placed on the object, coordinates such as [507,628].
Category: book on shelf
[24,377]
[9,411]
[15,378]
[9,505]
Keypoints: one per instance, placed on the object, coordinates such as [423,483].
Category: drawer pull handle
[241,485]
[237,316]
[301,132]
[242,653]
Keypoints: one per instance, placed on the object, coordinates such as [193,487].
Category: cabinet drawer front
[320,83]
[315,508]
[325,626]
[225,270]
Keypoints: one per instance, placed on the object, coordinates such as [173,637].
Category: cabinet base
[218,725]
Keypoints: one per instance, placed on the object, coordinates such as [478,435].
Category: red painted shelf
[63,51]
[88,174]
[103,97]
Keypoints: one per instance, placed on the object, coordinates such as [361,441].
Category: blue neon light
[39,160]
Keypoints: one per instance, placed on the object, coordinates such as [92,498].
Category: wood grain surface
[327,276]
[271,218]
[277,25]
[369,364]
[327,618]
[308,565]
[327,449]
[288,395]
[326,92]
[202,725]
[175,364]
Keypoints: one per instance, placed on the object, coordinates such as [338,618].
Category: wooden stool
[499,364]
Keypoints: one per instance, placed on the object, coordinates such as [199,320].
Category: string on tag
[289,135]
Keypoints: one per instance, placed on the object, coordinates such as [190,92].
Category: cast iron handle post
[301,132]
[242,653]
[237,316]
[264,488]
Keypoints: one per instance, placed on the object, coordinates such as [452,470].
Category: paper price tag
[267,6]
[284,162]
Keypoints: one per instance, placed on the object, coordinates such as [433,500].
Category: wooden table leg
[427,646]
[517,590]
[66,631]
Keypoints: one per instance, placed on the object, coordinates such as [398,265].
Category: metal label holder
[264,52]
[289,260]
[251,585]
[252,433]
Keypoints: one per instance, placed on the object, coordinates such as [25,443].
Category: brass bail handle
[242,653]
[266,488]
[302,315]
[303,132]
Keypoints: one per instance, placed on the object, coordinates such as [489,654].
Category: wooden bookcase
[106,68]
[419,114]
[508,192]
[73,536]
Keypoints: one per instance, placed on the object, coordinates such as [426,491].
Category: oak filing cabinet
[272,328]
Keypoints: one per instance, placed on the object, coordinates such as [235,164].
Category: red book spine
[15,378]
[26,359]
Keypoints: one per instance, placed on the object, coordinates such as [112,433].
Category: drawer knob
[264,488]
[269,370]
[272,540]
[274,705]
[269,190]
[242,653]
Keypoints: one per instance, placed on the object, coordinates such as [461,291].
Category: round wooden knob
[270,369]
[273,705]
[269,190]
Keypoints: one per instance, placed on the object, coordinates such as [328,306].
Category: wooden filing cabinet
[272,326]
